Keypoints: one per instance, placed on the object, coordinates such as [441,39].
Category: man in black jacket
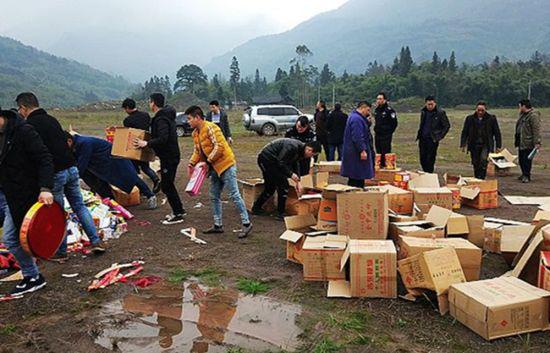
[434,125]
[278,161]
[164,141]
[26,176]
[302,131]
[336,125]
[321,117]
[140,120]
[219,117]
[480,135]
[66,178]
[385,125]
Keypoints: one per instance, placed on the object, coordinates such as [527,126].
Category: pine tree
[327,76]
[436,63]
[452,62]
[235,76]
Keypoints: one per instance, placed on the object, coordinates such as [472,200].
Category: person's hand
[230,140]
[298,188]
[364,156]
[46,198]
[139,143]
[538,146]
[295,178]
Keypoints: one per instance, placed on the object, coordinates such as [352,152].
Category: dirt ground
[64,316]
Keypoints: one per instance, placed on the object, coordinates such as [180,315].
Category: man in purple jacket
[358,156]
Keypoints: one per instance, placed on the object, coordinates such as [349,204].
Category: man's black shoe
[29,285]
[214,230]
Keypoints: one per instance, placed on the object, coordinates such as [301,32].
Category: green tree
[235,76]
[189,76]
[452,62]
[326,75]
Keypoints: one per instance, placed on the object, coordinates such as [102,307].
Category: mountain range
[361,31]
[58,82]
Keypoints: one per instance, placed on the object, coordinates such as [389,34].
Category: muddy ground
[64,317]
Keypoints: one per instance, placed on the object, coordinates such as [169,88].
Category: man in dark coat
[336,125]
[320,118]
[219,117]
[164,141]
[434,125]
[26,176]
[385,125]
[302,131]
[481,136]
[280,160]
[358,158]
[100,170]
[66,178]
[527,137]
[140,120]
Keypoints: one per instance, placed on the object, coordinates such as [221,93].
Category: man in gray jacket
[527,137]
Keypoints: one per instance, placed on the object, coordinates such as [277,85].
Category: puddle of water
[198,319]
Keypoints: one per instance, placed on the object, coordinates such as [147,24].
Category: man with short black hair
[26,176]
[302,131]
[219,117]
[385,125]
[140,120]
[434,126]
[279,160]
[527,137]
[164,141]
[212,149]
[336,126]
[320,118]
[66,178]
[481,136]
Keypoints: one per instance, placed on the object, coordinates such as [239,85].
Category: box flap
[314,243]
[514,237]
[339,188]
[299,222]
[425,180]
[252,181]
[469,192]
[392,190]
[310,197]
[339,289]
[438,216]
[345,258]
[542,215]
[505,222]
[291,236]
[335,242]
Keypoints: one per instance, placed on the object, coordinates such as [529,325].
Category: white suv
[271,119]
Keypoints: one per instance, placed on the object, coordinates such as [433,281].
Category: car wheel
[180,131]
[268,129]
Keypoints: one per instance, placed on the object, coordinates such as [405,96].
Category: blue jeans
[332,152]
[11,241]
[229,179]
[143,188]
[67,183]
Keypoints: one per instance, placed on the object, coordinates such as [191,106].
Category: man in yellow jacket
[211,147]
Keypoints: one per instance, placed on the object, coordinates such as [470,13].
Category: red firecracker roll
[43,230]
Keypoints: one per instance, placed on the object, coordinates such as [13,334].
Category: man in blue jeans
[26,176]
[66,178]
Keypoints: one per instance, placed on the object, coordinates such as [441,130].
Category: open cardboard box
[512,240]
[399,201]
[457,225]
[363,214]
[500,307]
[321,257]
[251,190]
[329,167]
[328,210]
[387,175]
[424,180]
[442,197]
[493,232]
[370,266]
[500,164]
[469,255]
[432,227]
[294,239]
[479,194]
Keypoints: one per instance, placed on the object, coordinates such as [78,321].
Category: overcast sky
[103,33]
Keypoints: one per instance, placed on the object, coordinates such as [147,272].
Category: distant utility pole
[529,91]
[319,92]
[333,95]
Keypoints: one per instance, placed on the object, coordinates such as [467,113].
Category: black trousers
[383,146]
[358,183]
[525,163]
[167,179]
[480,154]
[274,180]
[146,169]
[428,153]
[97,185]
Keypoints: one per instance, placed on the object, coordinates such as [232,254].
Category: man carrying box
[280,160]
[211,147]
[481,135]
[164,141]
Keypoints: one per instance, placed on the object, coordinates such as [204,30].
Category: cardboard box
[321,257]
[299,222]
[541,215]
[387,174]
[432,227]
[314,181]
[469,255]
[499,307]
[295,240]
[123,145]
[399,201]
[457,199]
[512,240]
[424,180]
[501,164]
[127,200]
[302,204]
[329,167]
[328,209]
[390,158]
[434,270]
[476,231]
[457,225]
[544,270]
[372,269]
[251,190]
[479,194]
[363,215]
[442,197]
[493,232]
